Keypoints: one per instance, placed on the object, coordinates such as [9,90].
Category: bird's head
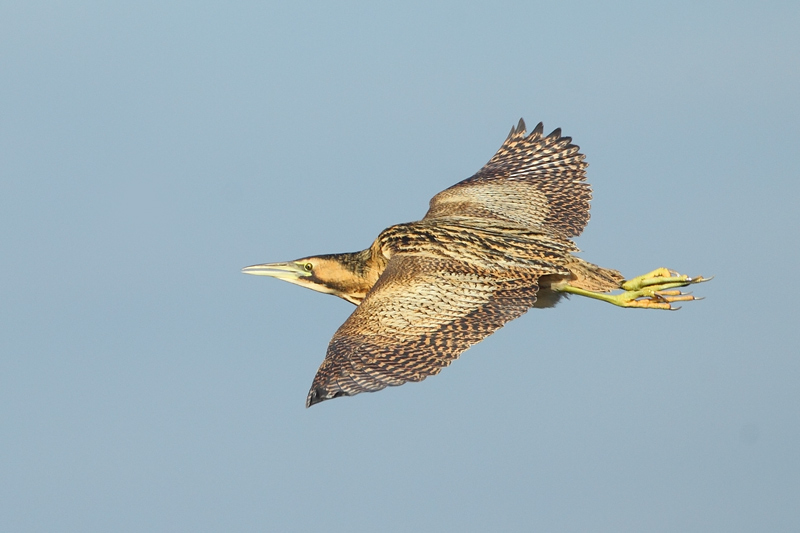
[342,275]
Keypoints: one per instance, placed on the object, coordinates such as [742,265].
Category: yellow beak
[287,271]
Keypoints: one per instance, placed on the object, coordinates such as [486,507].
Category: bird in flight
[489,248]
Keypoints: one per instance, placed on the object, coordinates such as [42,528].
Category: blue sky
[148,151]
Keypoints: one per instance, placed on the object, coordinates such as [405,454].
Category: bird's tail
[591,277]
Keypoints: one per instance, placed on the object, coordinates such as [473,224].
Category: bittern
[489,248]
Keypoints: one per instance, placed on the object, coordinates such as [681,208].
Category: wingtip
[320,394]
[314,397]
[536,133]
[518,130]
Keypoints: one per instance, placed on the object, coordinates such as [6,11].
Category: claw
[658,289]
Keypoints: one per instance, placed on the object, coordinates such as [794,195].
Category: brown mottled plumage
[428,290]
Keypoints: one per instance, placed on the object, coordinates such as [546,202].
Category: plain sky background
[149,150]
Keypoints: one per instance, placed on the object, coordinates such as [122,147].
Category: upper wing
[420,315]
[535,181]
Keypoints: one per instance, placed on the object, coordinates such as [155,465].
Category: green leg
[651,291]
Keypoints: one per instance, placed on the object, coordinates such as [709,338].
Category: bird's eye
[307,267]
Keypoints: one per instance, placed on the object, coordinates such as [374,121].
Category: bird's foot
[656,290]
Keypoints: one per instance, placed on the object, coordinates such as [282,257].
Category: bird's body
[489,248]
